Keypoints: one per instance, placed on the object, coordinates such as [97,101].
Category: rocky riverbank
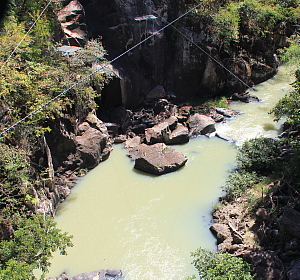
[262,226]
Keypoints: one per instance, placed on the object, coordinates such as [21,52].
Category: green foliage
[291,54]
[226,23]
[258,155]
[14,179]
[15,270]
[238,183]
[289,105]
[220,266]
[217,102]
[35,239]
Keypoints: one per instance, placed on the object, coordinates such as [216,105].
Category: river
[147,225]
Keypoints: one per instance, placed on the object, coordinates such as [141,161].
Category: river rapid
[147,225]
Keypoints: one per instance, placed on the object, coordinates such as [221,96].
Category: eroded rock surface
[156,159]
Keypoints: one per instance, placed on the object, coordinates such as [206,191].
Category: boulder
[157,93]
[220,231]
[91,144]
[157,159]
[262,72]
[200,125]
[290,221]
[244,97]
[266,264]
[226,112]
[158,133]
[179,136]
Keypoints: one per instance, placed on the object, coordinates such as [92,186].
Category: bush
[220,266]
[258,155]
[238,182]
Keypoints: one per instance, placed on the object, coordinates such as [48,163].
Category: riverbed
[147,225]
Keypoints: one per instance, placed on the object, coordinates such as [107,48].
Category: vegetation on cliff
[34,74]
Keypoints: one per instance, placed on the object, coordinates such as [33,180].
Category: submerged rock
[94,275]
[157,159]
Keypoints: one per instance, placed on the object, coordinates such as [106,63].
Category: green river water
[147,225]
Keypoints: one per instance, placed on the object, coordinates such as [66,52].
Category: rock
[290,221]
[224,137]
[262,72]
[185,111]
[91,145]
[98,275]
[72,22]
[138,129]
[294,272]
[119,139]
[160,106]
[158,133]
[157,93]
[266,264]
[94,275]
[179,136]
[244,97]
[262,215]
[220,231]
[112,129]
[200,125]
[226,112]
[157,159]
[132,142]
[172,122]
[292,245]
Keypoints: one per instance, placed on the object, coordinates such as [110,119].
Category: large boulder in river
[179,135]
[200,125]
[157,159]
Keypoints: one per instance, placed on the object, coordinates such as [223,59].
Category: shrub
[220,266]
[238,182]
[258,155]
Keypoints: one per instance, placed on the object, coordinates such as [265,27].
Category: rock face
[157,159]
[71,148]
[167,59]
[72,21]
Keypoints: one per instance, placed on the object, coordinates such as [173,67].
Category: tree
[35,239]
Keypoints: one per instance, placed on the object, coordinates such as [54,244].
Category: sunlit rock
[157,159]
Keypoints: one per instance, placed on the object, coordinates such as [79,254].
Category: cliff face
[168,59]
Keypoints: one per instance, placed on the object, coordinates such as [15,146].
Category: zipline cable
[96,71]
[18,45]
[190,40]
